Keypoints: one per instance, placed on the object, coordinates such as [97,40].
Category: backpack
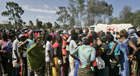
[105,48]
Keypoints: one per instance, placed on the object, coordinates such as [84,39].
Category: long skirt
[72,66]
[56,68]
[134,67]
[24,67]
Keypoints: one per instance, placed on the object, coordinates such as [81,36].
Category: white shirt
[67,46]
[115,37]
[50,48]
[72,46]
[15,47]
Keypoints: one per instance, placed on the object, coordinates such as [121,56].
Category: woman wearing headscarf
[124,45]
[134,63]
[36,57]
[22,55]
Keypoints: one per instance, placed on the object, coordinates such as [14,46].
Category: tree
[64,16]
[39,23]
[126,14]
[49,25]
[97,10]
[56,25]
[14,12]
[137,20]
[31,23]
[114,21]
[6,24]
[73,12]
[80,8]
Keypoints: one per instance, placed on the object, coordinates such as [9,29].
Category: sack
[85,72]
[59,62]
[16,64]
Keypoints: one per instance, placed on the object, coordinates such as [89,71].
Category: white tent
[112,27]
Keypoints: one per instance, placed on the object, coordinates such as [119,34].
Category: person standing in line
[48,56]
[87,56]
[3,54]
[22,54]
[57,56]
[124,45]
[72,47]
[15,56]
[29,43]
[9,47]
[36,57]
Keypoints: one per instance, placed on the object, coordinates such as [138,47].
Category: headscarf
[132,32]
[123,33]
[20,35]
[87,39]
[65,32]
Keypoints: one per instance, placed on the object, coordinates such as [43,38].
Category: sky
[45,10]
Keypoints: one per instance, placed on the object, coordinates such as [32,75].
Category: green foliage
[49,25]
[98,10]
[127,16]
[14,13]
[114,21]
[73,11]
[31,23]
[80,6]
[6,25]
[56,25]
[39,23]
[64,16]
[65,26]
[137,20]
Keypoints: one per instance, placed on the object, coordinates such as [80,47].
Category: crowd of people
[74,52]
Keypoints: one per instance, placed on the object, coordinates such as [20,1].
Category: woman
[57,56]
[22,54]
[29,43]
[72,47]
[134,63]
[124,45]
[3,55]
[64,69]
[36,57]
[9,47]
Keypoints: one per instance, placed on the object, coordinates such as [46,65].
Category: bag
[105,48]
[16,64]
[100,63]
[85,72]
[113,65]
